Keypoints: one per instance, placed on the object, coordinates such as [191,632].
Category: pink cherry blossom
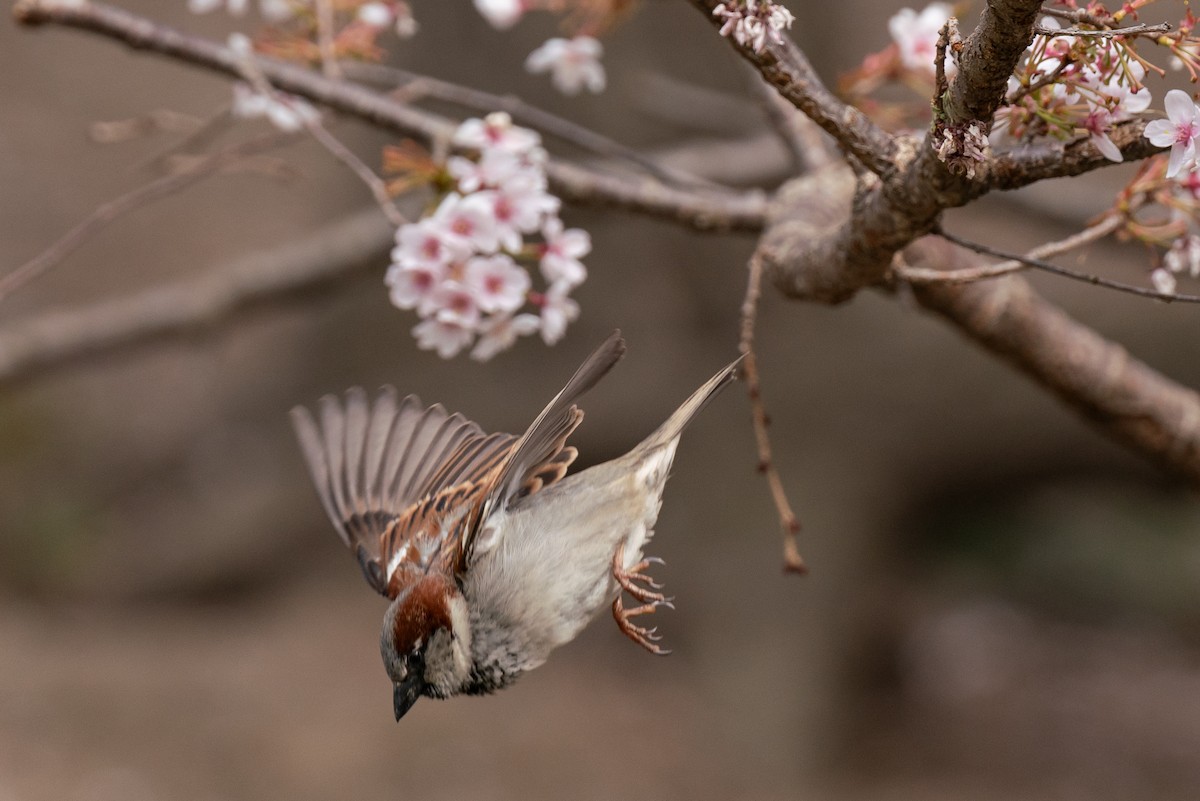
[1179,131]
[916,36]
[428,241]
[451,301]
[469,221]
[558,310]
[573,64]
[496,131]
[493,168]
[498,284]
[444,334]
[562,252]
[499,332]
[410,285]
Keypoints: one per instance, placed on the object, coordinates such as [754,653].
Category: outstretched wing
[540,457]
[372,462]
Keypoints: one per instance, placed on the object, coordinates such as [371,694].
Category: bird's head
[426,641]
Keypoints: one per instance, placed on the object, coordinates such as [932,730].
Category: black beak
[406,693]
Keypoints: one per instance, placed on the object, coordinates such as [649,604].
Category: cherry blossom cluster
[462,266]
[1073,84]
[753,23]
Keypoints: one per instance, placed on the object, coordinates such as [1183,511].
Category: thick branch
[988,57]
[785,67]
[1052,159]
[58,338]
[1123,397]
[703,210]
[892,210]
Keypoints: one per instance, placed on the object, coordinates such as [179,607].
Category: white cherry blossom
[558,310]
[500,332]
[562,252]
[916,36]
[497,283]
[573,64]
[1178,131]
[410,285]
[469,220]
[451,301]
[496,131]
[444,334]
[428,241]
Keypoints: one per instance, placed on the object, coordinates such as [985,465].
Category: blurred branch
[784,66]
[409,86]
[699,209]
[1120,395]
[201,168]
[58,338]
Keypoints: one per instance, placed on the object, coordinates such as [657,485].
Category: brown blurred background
[1002,603]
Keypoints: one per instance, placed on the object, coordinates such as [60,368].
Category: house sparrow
[491,558]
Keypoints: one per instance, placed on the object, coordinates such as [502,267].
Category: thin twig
[415,84]
[1132,30]
[253,74]
[115,208]
[780,116]
[793,562]
[325,43]
[927,275]
[702,210]
[366,174]
[1068,273]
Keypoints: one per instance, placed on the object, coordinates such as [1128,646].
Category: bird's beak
[406,693]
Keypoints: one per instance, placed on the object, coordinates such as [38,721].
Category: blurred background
[1002,603]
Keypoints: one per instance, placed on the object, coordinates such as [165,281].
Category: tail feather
[673,427]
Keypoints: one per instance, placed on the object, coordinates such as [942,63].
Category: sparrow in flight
[490,555]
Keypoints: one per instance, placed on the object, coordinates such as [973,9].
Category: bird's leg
[633,581]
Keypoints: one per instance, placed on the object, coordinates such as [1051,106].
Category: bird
[490,554]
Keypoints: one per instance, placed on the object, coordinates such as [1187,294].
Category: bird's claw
[635,582]
[647,638]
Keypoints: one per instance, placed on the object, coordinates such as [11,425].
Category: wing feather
[545,438]
[372,462]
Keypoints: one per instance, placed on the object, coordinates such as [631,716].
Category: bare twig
[706,210]
[1068,273]
[793,562]
[560,128]
[58,338]
[325,43]
[115,208]
[926,275]
[780,116]
[1132,30]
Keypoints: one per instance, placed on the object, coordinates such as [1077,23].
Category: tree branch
[886,212]
[784,66]
[699,209]
[1121,396]
[58,338]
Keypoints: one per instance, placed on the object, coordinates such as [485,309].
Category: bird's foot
[635,582]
